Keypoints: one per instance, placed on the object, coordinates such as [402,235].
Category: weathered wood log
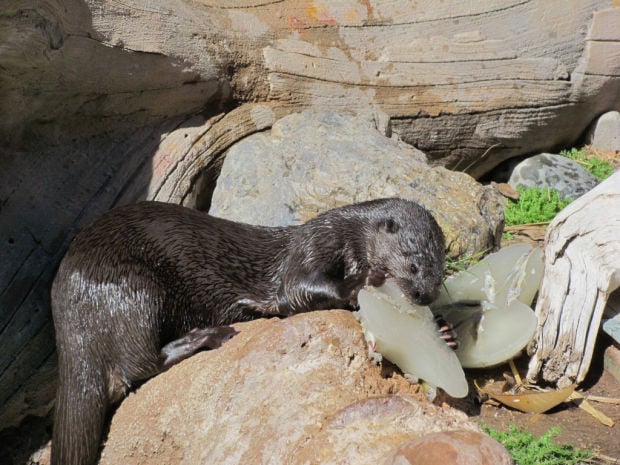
[582,269]
[110,102]
[456,78]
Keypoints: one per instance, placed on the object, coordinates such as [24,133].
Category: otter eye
[414,268]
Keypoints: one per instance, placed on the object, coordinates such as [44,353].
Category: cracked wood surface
[108,102]
[484,72]
[582,270]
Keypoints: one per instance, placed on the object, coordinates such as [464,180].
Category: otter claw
[447,332]
[197,338]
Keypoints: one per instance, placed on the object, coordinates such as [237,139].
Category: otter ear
[388,225]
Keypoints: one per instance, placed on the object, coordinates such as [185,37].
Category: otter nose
[424,298]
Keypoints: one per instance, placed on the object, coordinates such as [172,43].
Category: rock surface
[548,170]
[319,159]
[294,391]
[605,132]
[452,447]
[470,84]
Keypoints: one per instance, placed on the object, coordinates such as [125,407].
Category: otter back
[147,285]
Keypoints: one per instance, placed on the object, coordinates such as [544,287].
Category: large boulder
[470,84]
[319,159]
[294,391]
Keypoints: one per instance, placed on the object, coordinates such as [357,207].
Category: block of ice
[488,305]
[407,335]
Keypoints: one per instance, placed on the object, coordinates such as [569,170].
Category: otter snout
[419,295]
[424,298]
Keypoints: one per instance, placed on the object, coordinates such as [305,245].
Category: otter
[147,285]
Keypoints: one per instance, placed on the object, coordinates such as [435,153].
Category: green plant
[600,168]
[454,265]
[508,235]
[526,449]
[535,205]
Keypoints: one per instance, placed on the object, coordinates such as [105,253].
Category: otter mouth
[415,297]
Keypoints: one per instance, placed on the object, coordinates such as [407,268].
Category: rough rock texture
[451,448]
[548,170]
[605,132]
[99,103]
[294,391]
[611,317]
[319,159]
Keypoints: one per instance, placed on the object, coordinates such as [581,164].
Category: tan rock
[451,448]
[294,391]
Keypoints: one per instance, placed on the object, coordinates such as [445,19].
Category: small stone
[611,361]
[506,190]
[451,448]
[612,327]
[605,132]
[552,171]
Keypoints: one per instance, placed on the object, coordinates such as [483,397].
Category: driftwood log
[471,84]
[582,270]
[106,102]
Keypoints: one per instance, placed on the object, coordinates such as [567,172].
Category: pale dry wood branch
[582,269]
[207,149]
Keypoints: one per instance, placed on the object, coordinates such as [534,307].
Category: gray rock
[553,171]
[605,132]
[306,156]
[319,159]
[611,318]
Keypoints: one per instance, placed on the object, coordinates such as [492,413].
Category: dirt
[578,428]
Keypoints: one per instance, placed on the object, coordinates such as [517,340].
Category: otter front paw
[375,278]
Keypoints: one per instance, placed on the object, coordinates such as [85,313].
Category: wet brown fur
[146,285]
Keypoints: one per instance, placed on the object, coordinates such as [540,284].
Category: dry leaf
[531,401]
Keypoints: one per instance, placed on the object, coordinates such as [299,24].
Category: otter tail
[81,406]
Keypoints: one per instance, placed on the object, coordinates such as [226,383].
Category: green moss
[526,449]
[600,168]
[535,205]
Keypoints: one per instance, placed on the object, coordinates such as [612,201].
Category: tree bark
[468,83]
[582,269]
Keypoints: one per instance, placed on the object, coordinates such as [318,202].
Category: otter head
[409,247]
